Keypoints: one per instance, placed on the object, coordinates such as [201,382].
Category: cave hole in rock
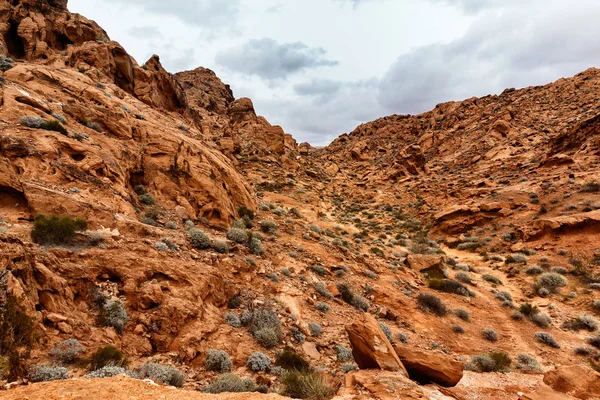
[14,43]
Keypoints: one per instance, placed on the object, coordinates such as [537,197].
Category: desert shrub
[56,229]
[534,270]
[496,361]
[541,319]
[315,329]
[305,384]
[504,296]
[230,383]
[492,279]
[232,319]
[448,286]
[106,372]
[199,239]
[462,314]
[108,356]
[164,374]
[273,276]
[547,339]
[268,226]
[526,362]
[463,277]
[528,309]
[258,362]
[516,258]
[370,274]
[239,224]
[490,334]
[348,367]
[319,269]
[67,351]
[148,221]
[288,359]
[517,316]
[6,63]
[17,335]
[45,373]
[267,337]
[559,270]
[220,246]
[160,246]
[458,329]
[459,266]
[245,212]
[386,331]
[323,307]
[93,125]
[431,303]
[140,190]
[402,337]
[217,361]
[586,322]
[591,187]
[256,247]
[360,302]
[343,353]
[237,235]
[147,199]
[322,290]
[113,314]
[41,123]
[551,281]
[596,305]
[351,298]
[297,335]
[595,341]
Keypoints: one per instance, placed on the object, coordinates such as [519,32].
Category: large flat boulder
[370,347]
[426,366]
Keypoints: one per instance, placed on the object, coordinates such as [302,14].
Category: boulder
[426,366]
[432,265]
[370,347]
[575,380]
[377,384]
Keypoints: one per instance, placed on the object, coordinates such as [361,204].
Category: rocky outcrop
[426,366]
[377,384]
[589,221]
[576,380]
[370,347]
[121,388]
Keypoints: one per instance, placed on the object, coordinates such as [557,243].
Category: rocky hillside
[154,226]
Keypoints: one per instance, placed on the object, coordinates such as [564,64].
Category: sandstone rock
[370,347]
[426,366]
[432,265]
[576,380]
[65,328]
[377,384]
[310,349]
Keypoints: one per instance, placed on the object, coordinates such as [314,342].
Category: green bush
[490,334]
[6,63]
[264,325]
[41,123]
[591,187]
[199,239]
[462,314]
[541,319]
[230,383]
[267,337]
[108,356]
[525,362]
[386,331]
[492,279]
[516,258]
[245,212]
[586,322]
[268,226]
[56,229]
[288,359]
[147,199]
[220,246]
[107,372]
[237,235]
[256,247]
[315,329]
[305,384]
[217,361]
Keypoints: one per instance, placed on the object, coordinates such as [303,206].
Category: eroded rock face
[576,380]
[377,384]
[370,347]
[426,366]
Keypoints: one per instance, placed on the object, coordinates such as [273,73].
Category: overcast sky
[319,68]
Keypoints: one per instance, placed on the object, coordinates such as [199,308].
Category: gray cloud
[216,15]
[271,60]
[508,49]
[317,87]
[148,32]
